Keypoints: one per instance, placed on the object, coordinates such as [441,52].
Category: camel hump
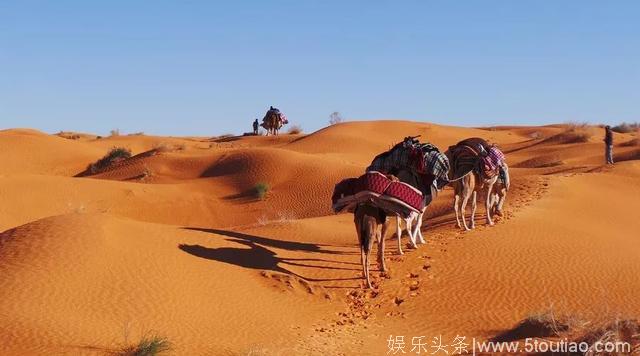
[475,142]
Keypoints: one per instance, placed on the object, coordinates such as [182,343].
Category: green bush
[148,346]
[261,190]
[114,155]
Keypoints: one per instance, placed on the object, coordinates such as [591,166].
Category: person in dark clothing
[255,127]
[608,145]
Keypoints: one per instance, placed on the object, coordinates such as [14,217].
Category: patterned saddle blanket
[475,154]
[373,187]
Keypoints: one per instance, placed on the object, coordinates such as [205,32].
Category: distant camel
[272,122]
[469,179]
[369,220]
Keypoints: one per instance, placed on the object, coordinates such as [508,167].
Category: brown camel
[369,220]
[272,122]
[469,180]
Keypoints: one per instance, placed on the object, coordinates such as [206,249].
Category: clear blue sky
[210,67]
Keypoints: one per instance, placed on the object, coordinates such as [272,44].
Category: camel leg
[501,199]
[412,237]
[363,261]
[456,208]
[381,264]
[383,267]
[367,269]
[463,209]
[419,228]
[399,235]
[487,205]
[473,209]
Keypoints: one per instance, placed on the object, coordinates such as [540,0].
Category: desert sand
[174,243]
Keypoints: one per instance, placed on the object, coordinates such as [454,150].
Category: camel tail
[367,234]
[365,229]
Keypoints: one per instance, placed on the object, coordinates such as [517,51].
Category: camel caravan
[403,181]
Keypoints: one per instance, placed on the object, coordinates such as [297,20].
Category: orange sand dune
[174,242]
[31,151]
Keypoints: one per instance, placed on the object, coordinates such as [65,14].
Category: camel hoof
[491,223]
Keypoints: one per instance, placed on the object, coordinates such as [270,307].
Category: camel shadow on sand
[259,257]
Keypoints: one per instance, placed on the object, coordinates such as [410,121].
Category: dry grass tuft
[151,345]
[626,127]
[574,133]
[68,135]
[294,130]
[114,155]
[623,333]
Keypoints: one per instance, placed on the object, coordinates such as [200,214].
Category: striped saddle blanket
[475,154]
[375,188]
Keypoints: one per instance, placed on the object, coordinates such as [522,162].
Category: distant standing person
[255,127]
[608,144]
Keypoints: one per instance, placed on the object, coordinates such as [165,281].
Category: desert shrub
[136,134]
[148,346]
[535,135]
[626,127]
[162,147]
[114,132]
[294,130]
[542,324]
[261,189]
[620,332]
[574,133]
[68,135]
[335,118]
[116,154]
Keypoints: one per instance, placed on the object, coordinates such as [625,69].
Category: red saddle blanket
[377,189]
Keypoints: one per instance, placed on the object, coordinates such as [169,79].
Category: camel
[368,220]
[470,181]
[272,122]
[371,225]
[414,231]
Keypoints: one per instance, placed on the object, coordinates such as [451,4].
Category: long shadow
[260,257]
[265,241]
